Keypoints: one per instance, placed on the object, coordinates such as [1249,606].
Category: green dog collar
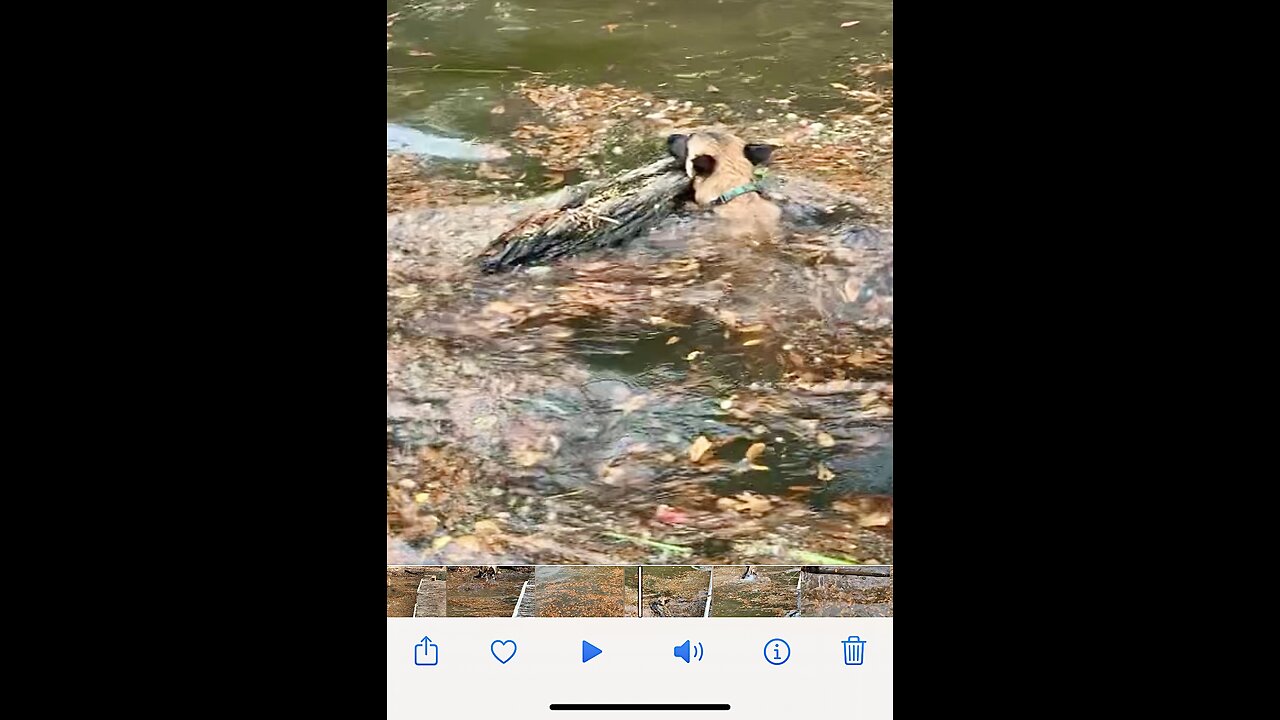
[731,194]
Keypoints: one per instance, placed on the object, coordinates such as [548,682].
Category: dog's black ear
[758,154]
[678,146]
[704,165]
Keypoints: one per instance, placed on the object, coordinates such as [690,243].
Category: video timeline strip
[639,591]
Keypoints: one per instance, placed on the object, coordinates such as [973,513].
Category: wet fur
[718,162]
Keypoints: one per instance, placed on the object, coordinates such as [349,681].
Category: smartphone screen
[639,359]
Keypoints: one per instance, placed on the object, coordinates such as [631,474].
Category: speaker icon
[683,651]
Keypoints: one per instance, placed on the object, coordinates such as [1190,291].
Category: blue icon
[682,651]
[426,652]
[504,650]
[589,651]
[854,648]
[777,651]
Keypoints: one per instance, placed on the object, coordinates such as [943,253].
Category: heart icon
[504,650]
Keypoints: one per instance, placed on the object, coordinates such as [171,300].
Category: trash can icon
[854,649]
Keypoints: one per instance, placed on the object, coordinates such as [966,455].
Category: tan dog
[722,167]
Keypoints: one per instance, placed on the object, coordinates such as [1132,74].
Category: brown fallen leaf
[875,519]
[501,307]
[487,527]
[470,543]
[753,503]
[755,451]
[528,458]
[825,439]
[699,448]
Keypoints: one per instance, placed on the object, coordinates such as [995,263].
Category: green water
[747,50]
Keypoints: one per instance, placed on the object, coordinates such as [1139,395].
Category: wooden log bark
[597,214]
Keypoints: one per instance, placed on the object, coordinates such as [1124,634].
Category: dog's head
[717,161]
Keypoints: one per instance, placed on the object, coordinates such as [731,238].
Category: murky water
[764,592]
[449,62]
[678,591]
[576,592]
[563,405]
[470,596]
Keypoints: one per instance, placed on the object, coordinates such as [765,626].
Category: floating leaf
[502,307]
[528,458]
[755,450]
[699,448]
[670,516]
[753,328]
[610,27]
[851,23]
[693,355]
[752,503]
[673,340]
[840,86]
[713,88]
[749,343]
[875,519]
[825,439]
[824,473]
[726,404]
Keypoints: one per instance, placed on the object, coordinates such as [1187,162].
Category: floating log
[596,214]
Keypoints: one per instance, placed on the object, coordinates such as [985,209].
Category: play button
[589,651]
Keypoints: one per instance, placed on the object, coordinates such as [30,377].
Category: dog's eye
[704,165]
